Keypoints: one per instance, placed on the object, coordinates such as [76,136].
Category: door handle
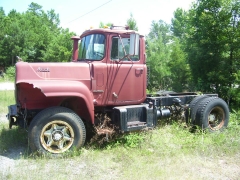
[139,70]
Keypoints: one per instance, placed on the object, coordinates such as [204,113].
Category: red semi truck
[107,75]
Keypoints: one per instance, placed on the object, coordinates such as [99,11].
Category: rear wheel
[212,114]
[56,130]
[194,106]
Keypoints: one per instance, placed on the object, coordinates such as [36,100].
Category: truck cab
[118,76]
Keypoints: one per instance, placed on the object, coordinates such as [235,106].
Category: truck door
[126,83]
[93,51]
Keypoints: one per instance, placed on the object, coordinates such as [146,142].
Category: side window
[120,48]
[92,47]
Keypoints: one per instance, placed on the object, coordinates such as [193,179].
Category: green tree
[158,56]
[34,35]
[102,25]
[131,22]
[3,53]
[35,8]
[13,37]
[179,65]
[212,48]
[180,24]
[59,49]
[179,68]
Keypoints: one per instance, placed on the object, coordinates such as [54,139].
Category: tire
[193,106]
[212,114]
[56,130]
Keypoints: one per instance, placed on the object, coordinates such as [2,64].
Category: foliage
[10,72]
[34,36]
[167,60]
[130,140]
[210,31]
[180,23]
[199,51]
[102,25]
[158,56]
[179,67]
[59,49]
[131,22]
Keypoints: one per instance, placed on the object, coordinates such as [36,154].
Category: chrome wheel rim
[57,136]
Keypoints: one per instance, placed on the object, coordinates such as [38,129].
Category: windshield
[92,47]
[120,47]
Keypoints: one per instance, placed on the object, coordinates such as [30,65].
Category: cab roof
[112,29]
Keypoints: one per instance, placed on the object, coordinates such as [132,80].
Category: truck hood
[71,71]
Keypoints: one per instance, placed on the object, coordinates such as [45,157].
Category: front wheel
[212,114]
[56,130]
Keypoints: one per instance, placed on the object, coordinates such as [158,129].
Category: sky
[80,15]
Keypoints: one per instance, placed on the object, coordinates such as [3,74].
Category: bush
[10,73]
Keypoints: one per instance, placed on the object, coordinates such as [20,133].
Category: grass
[7,78]
[171,151]
[8,139]
[6,99]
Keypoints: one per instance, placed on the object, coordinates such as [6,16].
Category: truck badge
[40,69]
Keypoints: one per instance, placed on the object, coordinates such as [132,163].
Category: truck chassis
[59,126]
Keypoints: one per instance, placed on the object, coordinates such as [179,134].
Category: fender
[60,88]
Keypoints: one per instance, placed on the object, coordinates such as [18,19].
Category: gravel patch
[9,159]
[6,166]
[7,163]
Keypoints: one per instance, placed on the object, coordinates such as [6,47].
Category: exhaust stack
[75,48]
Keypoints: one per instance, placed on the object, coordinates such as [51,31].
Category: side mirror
[134,44]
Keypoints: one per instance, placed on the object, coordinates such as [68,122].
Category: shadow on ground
[13,143]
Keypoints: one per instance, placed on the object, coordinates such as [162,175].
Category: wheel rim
[57,136]
[216,118]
